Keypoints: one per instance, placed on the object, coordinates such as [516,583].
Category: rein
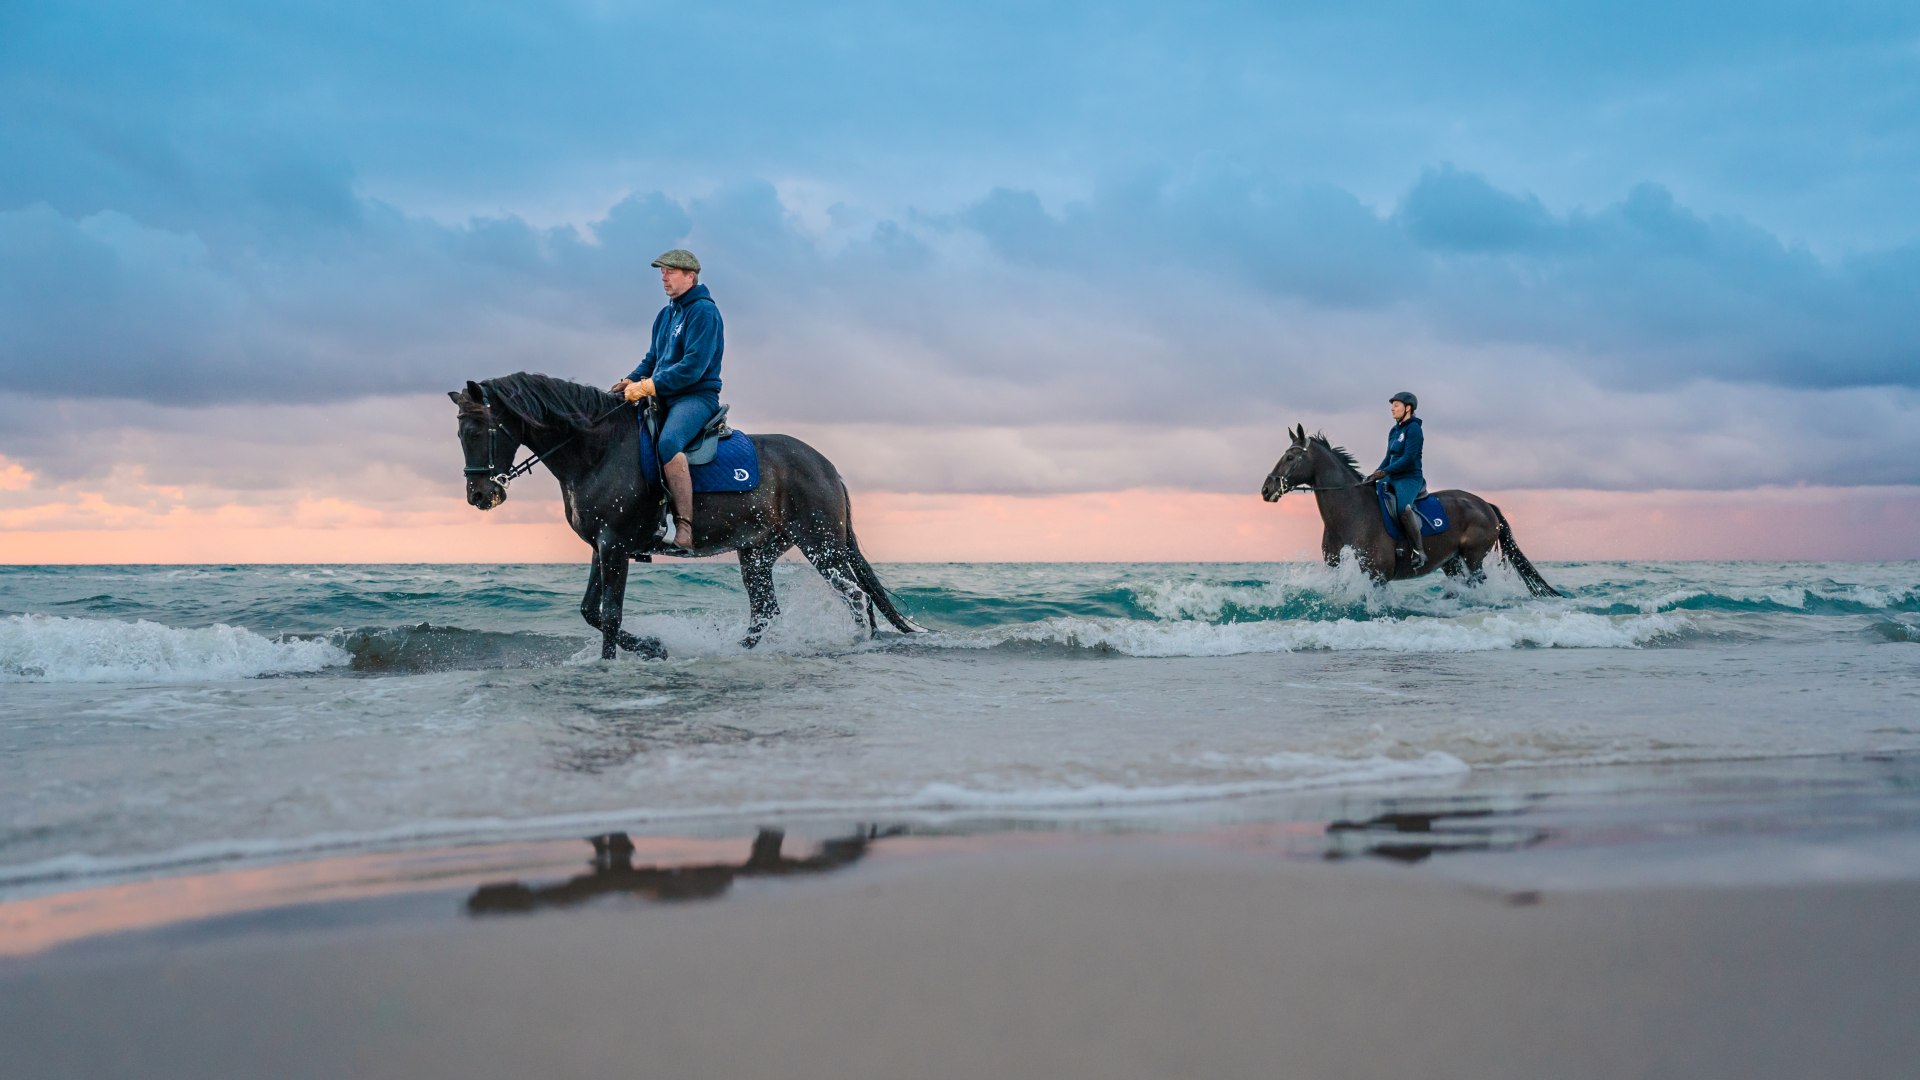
[1335,487]
[503,478]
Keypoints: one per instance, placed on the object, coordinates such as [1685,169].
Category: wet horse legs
[602,608]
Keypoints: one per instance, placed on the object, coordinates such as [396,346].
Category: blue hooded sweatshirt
[1402,463]
[687,343]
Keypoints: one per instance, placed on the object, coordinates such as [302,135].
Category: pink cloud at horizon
[1142,525]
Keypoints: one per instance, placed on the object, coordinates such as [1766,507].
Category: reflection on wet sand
[613,872]
[1411,836]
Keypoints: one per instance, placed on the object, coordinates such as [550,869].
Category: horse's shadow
[613,872]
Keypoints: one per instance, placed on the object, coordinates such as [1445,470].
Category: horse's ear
[1298,434]
[474,393]
[459,396]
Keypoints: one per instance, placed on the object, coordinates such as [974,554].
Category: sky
[1044,281]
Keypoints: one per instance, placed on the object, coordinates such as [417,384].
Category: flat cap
[679,259]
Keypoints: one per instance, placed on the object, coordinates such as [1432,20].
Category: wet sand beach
[1112,821]
[1042,956]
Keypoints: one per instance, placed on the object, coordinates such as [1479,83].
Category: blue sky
[1614,246]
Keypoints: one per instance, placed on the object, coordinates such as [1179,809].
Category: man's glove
[637,390]
[1376,476]
[619,386]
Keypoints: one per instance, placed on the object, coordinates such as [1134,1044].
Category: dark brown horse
[1350,512]
[591,444]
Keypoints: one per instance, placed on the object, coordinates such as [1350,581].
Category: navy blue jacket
[1404,443]
[687,343]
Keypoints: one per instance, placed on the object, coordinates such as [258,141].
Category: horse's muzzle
[485,494]
[1273,489]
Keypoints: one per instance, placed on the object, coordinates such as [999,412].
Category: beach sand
[1113,957]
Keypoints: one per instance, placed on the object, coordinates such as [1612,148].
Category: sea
[166,720]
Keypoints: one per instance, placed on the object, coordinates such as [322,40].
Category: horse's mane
[546,402]
[1338,451]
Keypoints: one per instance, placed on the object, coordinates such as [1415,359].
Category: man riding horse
[1400,471]
[682,371]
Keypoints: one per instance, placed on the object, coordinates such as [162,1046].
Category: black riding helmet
[1411,401]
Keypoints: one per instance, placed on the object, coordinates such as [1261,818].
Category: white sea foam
[1271,774]
[1227,778]
[1792,596]
[1315,590]
[44,648]
[1486,632]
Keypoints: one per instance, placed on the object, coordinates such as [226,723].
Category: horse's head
[1294,469]
[489,447]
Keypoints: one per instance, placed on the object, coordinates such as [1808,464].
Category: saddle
[1433,516]
[721,459]
[705,445]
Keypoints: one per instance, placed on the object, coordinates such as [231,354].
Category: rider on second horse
[1400,470]
[682,370]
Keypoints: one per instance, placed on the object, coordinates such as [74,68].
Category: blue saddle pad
[1433,519]
[735,466]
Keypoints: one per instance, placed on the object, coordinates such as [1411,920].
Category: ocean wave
[1315,593]
[1894,630]
[50,648]
[1489,632]
[1824,598]
[422,648]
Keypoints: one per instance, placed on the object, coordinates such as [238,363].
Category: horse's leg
[613,597]
[590,603]
[829,555]
[1474,561]
[756,572]
[610,564]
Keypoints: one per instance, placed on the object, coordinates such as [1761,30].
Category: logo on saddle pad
[1433,516]
[742,475]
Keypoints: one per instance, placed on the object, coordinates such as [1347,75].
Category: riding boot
[680,488]
[1410,525]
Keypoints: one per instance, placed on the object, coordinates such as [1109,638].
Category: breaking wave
[1475,633]
[411,649]
[50,648]
[125,624]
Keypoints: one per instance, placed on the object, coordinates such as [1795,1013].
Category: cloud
[975,248]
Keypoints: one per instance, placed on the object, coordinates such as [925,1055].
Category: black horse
[589,440]
[1350,514]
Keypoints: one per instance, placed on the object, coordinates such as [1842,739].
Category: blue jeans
[686,415]
[1406,490]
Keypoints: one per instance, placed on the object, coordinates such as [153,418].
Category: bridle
[1287,487]
[492,470]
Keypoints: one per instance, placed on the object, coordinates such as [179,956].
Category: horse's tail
[1510,551]
[877,595]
